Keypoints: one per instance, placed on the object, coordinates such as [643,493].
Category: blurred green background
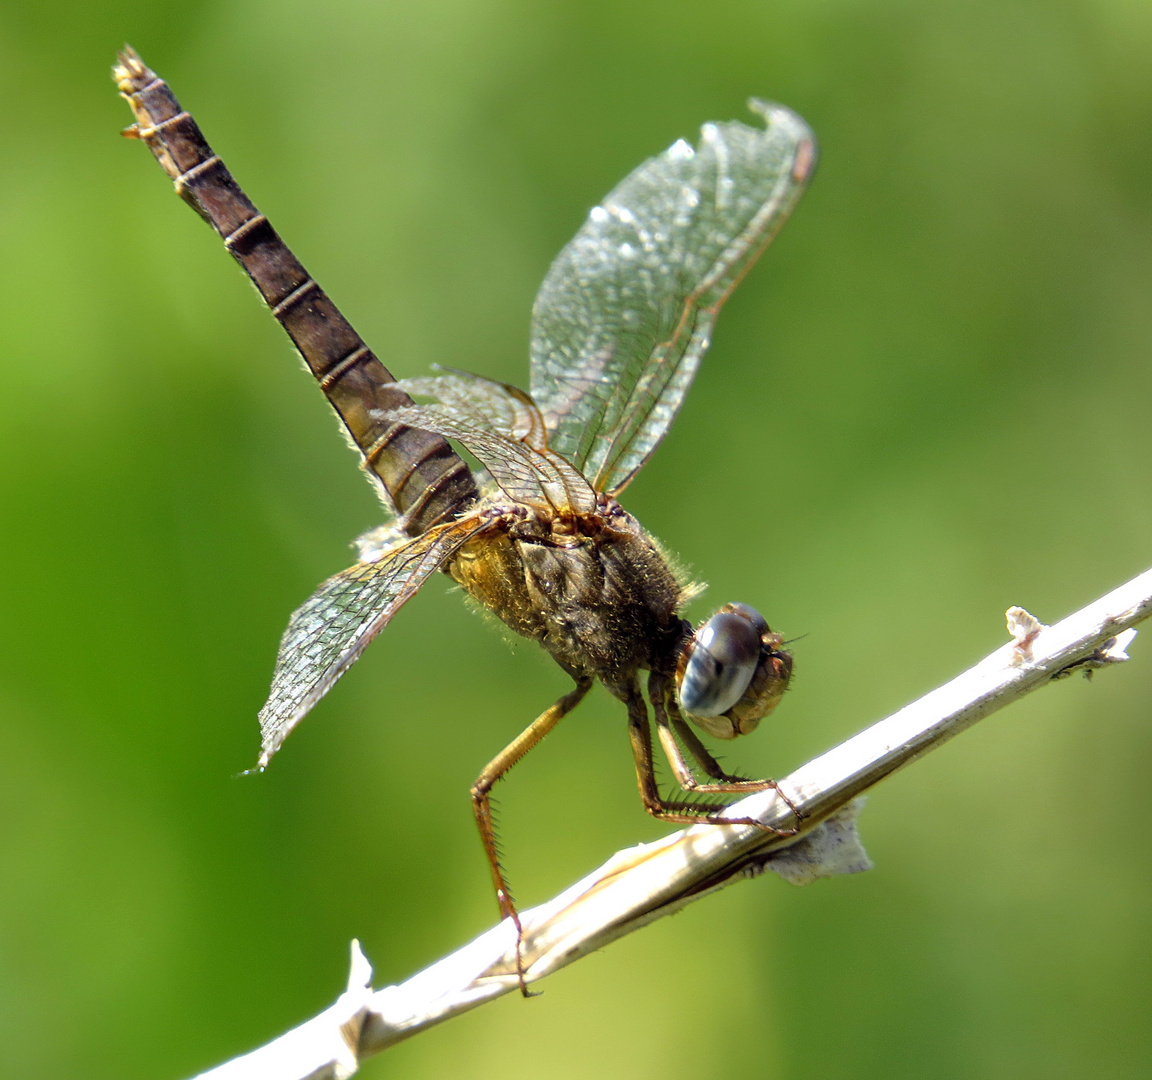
[930,402]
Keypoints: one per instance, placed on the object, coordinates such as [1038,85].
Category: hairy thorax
[595,591]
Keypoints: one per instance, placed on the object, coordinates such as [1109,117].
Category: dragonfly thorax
[600,597]
[732,672]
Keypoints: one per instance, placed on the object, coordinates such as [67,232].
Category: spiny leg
[711,766]
[662,706]
[640,734]
[665,707]
[482,808]
[677,812]
[702,755]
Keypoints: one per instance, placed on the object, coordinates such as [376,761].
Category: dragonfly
[536,534]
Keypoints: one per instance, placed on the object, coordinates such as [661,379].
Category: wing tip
[271,739]
[783,120]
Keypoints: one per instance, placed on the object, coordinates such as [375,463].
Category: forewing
[329,632]
[627,310]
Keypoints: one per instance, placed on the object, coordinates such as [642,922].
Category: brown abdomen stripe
[238,238]
[293,298]
[341,366]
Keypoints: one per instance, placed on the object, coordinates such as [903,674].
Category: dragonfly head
[732,672]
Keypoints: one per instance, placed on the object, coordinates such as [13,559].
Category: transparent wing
[627,310]
[504,408]
[328,634]
[526,473]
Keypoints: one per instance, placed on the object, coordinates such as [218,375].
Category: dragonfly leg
[668,716]
[482,807]
[705,759]
[676,811]
[665,708]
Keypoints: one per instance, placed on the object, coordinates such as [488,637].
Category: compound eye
[723,658]
[748,612]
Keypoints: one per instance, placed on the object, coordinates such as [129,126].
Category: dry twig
[642,884]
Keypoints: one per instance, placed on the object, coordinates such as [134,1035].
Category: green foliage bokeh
[930,402]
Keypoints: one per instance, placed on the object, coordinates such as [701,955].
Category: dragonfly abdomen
[425,479]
